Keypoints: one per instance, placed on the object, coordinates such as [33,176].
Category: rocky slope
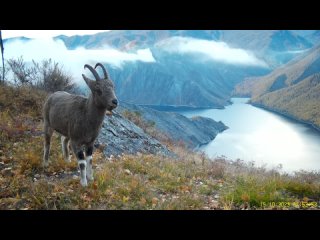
[118,135]
[193,132]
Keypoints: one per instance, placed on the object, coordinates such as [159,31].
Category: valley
[207,119]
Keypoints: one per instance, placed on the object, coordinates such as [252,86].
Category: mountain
[276,47]
[293,90]
[291,73]
[133,39]
[300,101]
[303,33]
[22,39]
[174,78]
[265,40]
[177,80]
[184,79]
[181,75]
[315,37]
[254,40]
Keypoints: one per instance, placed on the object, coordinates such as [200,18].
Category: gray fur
[78,119]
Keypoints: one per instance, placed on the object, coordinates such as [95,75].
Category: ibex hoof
[90,178]
[84,182]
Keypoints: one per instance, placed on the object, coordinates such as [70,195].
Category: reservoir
[261,136]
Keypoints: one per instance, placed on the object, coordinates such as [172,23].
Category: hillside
[140,181]
[300,101]
[177,80]
[287,75]
[292,89]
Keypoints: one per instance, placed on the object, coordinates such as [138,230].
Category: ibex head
[102,89]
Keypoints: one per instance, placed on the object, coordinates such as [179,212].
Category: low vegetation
[191,181]
[300,101]
[148,127]
[47,75]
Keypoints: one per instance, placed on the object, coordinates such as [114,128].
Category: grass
[191,181]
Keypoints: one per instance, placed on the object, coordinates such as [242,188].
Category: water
[261,136]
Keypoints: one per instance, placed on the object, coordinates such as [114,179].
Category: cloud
[73,60]
[210,50]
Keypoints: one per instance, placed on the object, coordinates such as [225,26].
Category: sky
[46,33]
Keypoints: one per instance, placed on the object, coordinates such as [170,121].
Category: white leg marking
[83,179]
[45,163]
[89,168]
[62,145]
[65,150]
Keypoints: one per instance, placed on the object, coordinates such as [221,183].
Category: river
[261,136]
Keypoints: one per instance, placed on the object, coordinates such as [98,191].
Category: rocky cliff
[193,132]
[119,135]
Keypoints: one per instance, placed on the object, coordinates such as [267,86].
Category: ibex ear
[91,84]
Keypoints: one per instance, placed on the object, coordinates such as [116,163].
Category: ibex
[79,120]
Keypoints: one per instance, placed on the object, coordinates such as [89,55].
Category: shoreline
[285,115]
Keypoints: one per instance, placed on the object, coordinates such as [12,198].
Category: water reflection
[261,136]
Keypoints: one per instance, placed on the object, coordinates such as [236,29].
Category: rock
[2,165]
[119,136]
[214,204]
[123,137]
[154,201]
[7,172]
[216,196]
[98,167]
[37,175]
[194,132]
[127,171]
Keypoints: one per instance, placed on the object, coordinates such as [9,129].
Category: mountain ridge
[292,90]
